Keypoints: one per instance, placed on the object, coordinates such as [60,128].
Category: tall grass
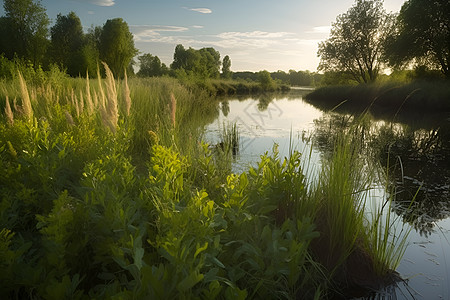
[110,192]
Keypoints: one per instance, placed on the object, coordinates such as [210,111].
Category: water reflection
[421,170]
[225,106]
[417,149]
[417,162]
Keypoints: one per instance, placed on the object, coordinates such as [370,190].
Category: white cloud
[201,10]
[254,34]
[99,2]
[320,29]
[90,12]
[278,50]
[254,39]
[152,33]
[197,26]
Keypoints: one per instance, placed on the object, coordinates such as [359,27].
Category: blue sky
[256,34]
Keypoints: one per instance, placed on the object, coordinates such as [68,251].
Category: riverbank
[108,190]
[388,100]
[231,87]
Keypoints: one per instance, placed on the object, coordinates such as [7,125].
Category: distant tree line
[366,40]
[203,63]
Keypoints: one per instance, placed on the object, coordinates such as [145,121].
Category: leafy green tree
[24,30]
[266,81]
[226,67]
[357,41]
[179,58]
[210,60]
[117,46]
[67,42]
[151,66]
[422,36]
[204,63]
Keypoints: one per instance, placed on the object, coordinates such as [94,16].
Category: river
[420,150]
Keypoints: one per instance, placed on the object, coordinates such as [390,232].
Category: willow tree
[357,39]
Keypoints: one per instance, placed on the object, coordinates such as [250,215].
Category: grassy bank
[107,191]
[229,87]
[385,99]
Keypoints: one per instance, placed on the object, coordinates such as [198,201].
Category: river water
[421,151]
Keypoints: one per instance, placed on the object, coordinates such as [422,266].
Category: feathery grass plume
[26,103]
[110,84]
[173,109]
[112,112]
[69,118]
[102,100]
[9,113]
[126,95]
[95,101]
[74,100]
[17,108]
[89,102]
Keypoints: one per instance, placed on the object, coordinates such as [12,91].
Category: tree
[423,35]
[24,30]
[117,46]
[226,67]
[210,60]
[357,40]
[151,66]
[204,63]
[67,42]
[266,81]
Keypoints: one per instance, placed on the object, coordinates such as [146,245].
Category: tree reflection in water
[418,162]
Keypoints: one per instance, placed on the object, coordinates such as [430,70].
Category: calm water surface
[289,121]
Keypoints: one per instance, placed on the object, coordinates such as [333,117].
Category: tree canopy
[117,46]
[357,41]
[204,62]
[24,30]
[151,66]
[66,44]
[226,67]
[422,36]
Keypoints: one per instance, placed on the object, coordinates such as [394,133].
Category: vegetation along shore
[108,190]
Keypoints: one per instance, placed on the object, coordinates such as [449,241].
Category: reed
[230,140]
[26,102]
[89,102]
[173,110]
[8,112]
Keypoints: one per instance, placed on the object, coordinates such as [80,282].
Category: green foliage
[116,46]
[388,100]
[147,210]
[24,30]
[266,81]
[421,35]
[150,66]
[66,45]
[203,63]
[226,67]
[356,42]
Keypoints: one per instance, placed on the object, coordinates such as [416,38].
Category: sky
[256,34]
